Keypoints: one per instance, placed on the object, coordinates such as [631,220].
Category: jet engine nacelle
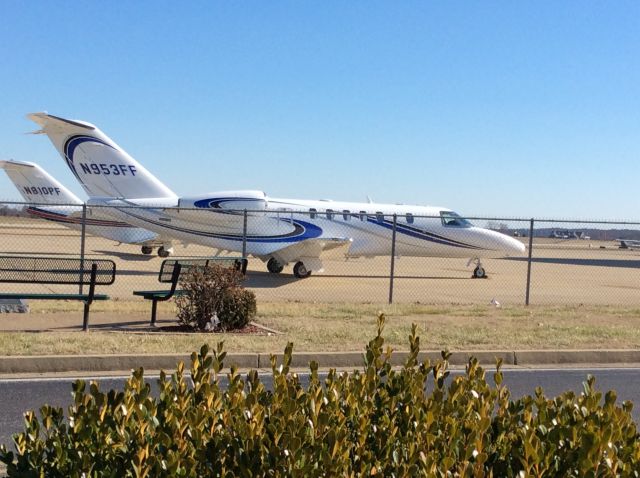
[229,200]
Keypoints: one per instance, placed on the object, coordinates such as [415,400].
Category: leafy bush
[214,291]
[375,422]
[237,306]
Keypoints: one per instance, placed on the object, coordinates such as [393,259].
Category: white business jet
[628,243]
[279,231]
[52,201]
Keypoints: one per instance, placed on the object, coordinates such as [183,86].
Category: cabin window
[409,218]
[330,214]
[312,213]
[380,216]
[346,214]
[452,219]
[363,215]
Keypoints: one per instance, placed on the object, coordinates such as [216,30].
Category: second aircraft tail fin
[36,185]
[102,167]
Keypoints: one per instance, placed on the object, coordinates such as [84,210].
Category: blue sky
[513,109]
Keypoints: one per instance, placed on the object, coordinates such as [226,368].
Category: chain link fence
[366,257]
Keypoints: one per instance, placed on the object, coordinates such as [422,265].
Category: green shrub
[214,291]
[375,422]
[237,306]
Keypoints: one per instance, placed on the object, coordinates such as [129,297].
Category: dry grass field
[584,294]
[121,327]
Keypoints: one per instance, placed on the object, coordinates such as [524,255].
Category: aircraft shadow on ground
[133,272]
[266,280]
[396,276]
[622,263]
[127,256]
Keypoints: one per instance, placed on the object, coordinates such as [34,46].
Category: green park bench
[58,270]
[170,272]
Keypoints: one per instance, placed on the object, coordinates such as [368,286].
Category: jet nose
[498,244]
[512,246]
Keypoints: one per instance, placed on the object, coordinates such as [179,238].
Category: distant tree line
[13,211]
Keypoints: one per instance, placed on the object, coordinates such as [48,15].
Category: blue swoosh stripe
[215,203]
[302,231]
[419,234]
[72,143]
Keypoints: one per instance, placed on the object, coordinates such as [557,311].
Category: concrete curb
[550,357]
[108,363]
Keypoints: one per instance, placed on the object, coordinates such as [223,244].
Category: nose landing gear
[478,272]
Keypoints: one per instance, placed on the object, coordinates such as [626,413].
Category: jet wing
[103,225]
[309,250]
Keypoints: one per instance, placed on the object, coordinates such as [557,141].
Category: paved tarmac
[563,272]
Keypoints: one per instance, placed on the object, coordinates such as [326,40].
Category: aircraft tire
[479,273]
[274,266]
[300,271]
[146,250]
[162,252]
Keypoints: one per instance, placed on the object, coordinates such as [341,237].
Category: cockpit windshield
[453,219]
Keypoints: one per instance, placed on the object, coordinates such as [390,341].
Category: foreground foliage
[414,421]
[214,292]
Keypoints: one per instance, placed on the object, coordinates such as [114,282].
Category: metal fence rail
[565,262]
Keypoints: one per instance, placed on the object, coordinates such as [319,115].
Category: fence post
[393,258]
[82,241]
[244,235]
[529,262]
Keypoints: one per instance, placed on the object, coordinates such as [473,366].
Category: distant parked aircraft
[54,202]
[569,235]
[628,243]
[277,232]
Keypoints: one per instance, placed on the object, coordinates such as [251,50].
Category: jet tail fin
[100,165]
[36,185]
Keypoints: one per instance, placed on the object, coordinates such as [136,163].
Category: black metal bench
[56,270]
[170,271]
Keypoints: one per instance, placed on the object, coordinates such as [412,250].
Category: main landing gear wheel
[274,266]
[479,273]
[146,250]
[300,271]
[162,252]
